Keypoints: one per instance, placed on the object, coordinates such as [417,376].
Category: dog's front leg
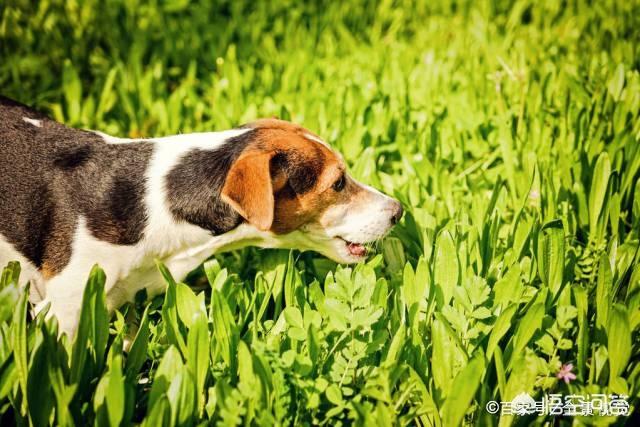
[184,262]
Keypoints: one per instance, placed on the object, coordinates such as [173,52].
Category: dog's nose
[397,213]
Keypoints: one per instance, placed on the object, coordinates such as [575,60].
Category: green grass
[511,133]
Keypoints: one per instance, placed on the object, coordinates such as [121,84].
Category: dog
[70,199]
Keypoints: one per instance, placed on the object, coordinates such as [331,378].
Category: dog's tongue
[356,249]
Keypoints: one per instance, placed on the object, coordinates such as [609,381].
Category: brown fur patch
[48,271]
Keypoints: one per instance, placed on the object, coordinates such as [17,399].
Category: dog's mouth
[358,250]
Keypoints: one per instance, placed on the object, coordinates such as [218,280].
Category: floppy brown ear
[249,191]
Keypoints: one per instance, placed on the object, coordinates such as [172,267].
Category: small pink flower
[565,373]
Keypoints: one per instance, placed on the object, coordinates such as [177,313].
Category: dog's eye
[339,184]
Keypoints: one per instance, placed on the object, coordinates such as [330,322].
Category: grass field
[510,132]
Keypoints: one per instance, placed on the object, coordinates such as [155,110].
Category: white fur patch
[35,122]
[187,141]
[316,139]
[202,140]
[112,139]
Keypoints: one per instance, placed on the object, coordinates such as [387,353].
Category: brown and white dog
[72,198]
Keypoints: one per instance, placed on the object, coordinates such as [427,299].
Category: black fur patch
[194,185]
[116,213]
[73,157]
[55,174]
[302,171]
[303,176]
[41,227]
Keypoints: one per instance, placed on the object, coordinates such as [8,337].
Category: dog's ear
[249,191]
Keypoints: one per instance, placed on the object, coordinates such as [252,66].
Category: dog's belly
[29,272]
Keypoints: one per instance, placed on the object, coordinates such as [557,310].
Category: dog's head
[292,184]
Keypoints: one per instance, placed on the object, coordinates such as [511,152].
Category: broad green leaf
[604,285]
[10,275]
[8,376]
[19,344]
[462,391]
[526,368]
[550,255]
[618,341]
[138,352]
[616,83]
[274,266]
[181,394]
[294,317]
[395,348]
[527,326]
[109,400]
[394,254]
[198,349]
[580,296]
[72,91]
[500,371]
[170,364]
[597,193]
[409,289]
[446,267]
[39,388]
[188,304]
[442,359]
[159,415]
[107,96]
[224,329]
[500,328]
[334,395]
[172,323]
[292,283]
[509,288]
